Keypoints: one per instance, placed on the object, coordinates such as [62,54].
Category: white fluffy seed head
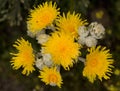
[39,63]
[30,34]
[42,38]
[47,59]
[96,30]
[53,84]
[90,41]
[81,40]
[52,27]
[82,31]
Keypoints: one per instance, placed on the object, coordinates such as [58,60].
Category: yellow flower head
[99,14]
[62,48]
[70,23]
[51,76]
[98,64]
[24,58]
[42,16]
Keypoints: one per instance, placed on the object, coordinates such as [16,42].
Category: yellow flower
[117,72]
[98,64]
[51,76]
[24,58]
[99,14]
[70,23]
[62,48]
[42,16]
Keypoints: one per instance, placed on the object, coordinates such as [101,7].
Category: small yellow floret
[98,64]
[24,58]
[51,76]
[99,14]
[70,23]
[42,16]
[63,49]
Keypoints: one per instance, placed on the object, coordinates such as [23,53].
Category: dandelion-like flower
[70,23]
[24,58]
[42,16]
[51,76]
[98,64]
[63,49]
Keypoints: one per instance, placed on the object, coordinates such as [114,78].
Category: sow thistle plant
[60,47]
